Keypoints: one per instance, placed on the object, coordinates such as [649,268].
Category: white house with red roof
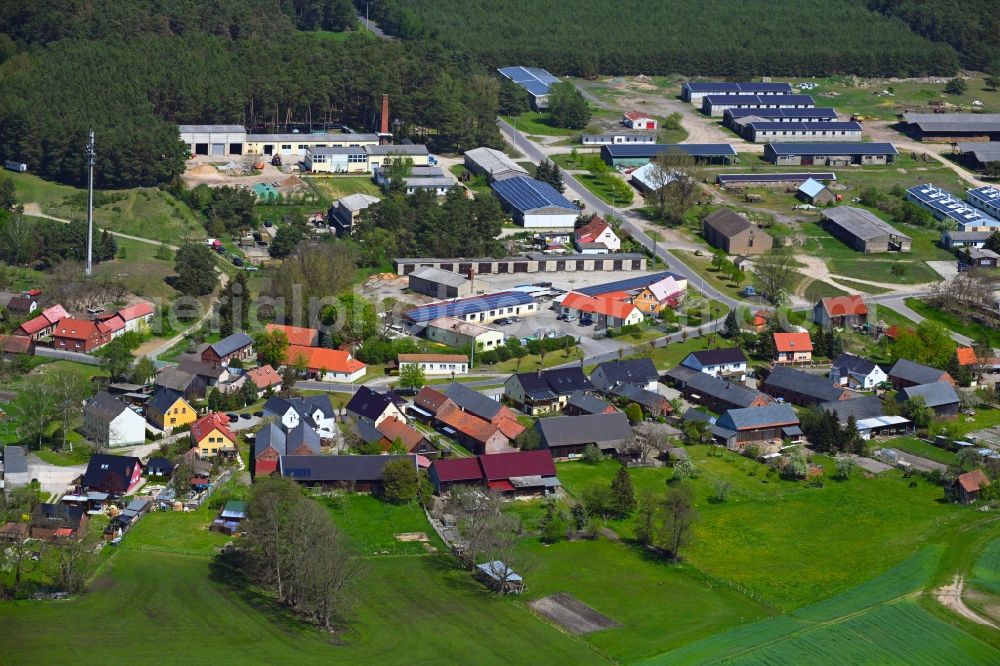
[594,234]
[44,324]
[137,317]
[638,120]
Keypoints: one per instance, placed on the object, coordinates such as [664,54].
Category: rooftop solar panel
[627,285]
[533,79]
[524,194]
[651,149]
[942,202]
[833,148]
[535,87]
[466,306]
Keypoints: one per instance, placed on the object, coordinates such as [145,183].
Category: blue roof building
[476,308]
[943,206]
[535,80]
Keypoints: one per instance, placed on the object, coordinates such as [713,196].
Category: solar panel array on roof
[533,79]
[832,148]
[730,178]
[943,204]
[466,306]
[651,150]
[817,113]
[746,87]
[526,194]
[627,285]
[985,198]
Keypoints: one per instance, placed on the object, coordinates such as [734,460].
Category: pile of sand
[293,182]
[204,170]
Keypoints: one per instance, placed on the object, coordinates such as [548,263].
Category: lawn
[953,323]
[143,211]
[703,265]
[905,95]
[862,287]
[876,622]
[675,352]
[373,523]
[922,449]
[599,186]
[659,605]
[408,610]
[769,527]
[335,187]
[817,289]
[535,123]
[477,183]
[137,266]
[985,575]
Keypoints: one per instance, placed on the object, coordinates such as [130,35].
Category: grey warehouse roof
[653,149]
[833,148]
[211,129]
[865,407]
[957,122]
[861,223]
[934,395]
[560,431]
[527,194]
[493,161]
[779,414]
[915,372]
[803,383]
[441,277]
[231,344]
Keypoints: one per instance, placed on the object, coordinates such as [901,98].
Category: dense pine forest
[133,71]
[708,37]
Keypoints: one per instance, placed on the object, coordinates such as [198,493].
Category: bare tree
[679,516]
[681,193]
[660,175]
[19,236]
[20,553]
[73,561]
[68,390]
[774,275]
[266,529]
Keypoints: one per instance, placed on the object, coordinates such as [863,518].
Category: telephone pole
[90,205]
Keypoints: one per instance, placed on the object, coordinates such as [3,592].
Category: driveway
[54,479]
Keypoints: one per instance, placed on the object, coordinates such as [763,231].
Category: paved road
[898,304]
[374,29]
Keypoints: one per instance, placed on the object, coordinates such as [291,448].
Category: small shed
[499,577]
[816,193]
[229,519]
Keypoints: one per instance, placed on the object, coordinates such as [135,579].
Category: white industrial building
[229,140]
[534,204]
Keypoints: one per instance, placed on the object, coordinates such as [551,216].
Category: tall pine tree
[622,494]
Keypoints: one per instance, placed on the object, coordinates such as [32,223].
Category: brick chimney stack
[384,134]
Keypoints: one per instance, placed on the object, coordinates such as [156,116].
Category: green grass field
[923,449]
[877,622]
[985,575]
[335,187]
[770,527]
[871,102]
[137,266]
[862,287]
[535,123]
[703,265]
[973,330]
[659,606]
[143,211]
[372,524]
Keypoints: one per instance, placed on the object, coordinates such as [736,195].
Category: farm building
[956,239]
[829,154]
[862,407]
[273,441]
[567,436]
[884,426]
[533,262]
[863,231]
[534,204]
[493,164]
[736,119]
[633,285]
[771,179]
[840,312]
[215,140]
[734,234]
[238,346]
[651,177]
[637,120]
[580,403]
[986,199]
[953,127]
[716,105]
[231,140]
[769,130]
[533,79]
[978,257]
[939,396]
[802,388]
[437,283]
[695,91]
[739,428]
[943,206]
[967,486]
[615,139]
[359,473]
[482,309]
[420,178]
[436,364]
[81,335]
[978,154]
[639,154]
[816,193]
[518,473]
[905,373]
[460,334]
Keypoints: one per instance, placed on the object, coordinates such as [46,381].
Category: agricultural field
[879,621]
[143,211]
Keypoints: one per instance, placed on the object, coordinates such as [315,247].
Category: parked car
[246,416]
[569,317]
[268,223]
[259,415]
[233,416]
[237,261]
[586,322]
[515,319]
[502,321]
[251,268]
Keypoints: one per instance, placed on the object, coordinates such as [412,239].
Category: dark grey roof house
[581,403]
[566,436]
[369,405]
[863,407]
[473,402]
[159,467]
[738,428]
[635,371]
[802,388]
[362,473]
[907,373]
[712,392]
[939,396]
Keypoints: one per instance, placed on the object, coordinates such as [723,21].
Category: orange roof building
[211,435]
[264,377]
[297,335]
[329,365]
[472,432]
[609,312]
[966,355]
[792,348]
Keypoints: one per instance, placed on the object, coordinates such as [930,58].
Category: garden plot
[571,614]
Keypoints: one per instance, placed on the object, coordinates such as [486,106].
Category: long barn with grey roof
[952,127]
[532,262]
[863,231]
[695,91]
[831,154]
